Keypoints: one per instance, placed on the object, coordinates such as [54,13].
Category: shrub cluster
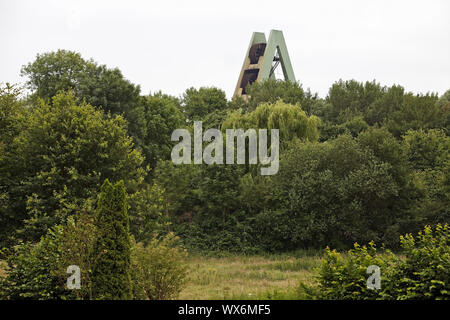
[112,265]
[421,271]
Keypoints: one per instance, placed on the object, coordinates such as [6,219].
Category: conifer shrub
[111,267]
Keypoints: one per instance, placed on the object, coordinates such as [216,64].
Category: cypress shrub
[111,267]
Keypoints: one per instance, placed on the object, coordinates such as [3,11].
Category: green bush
[422,271]
[77,248]
[425,272]
[345,277]
[158,269]
[29,273]
[39,271]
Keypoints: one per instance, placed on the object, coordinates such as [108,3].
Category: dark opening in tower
[250,76]
[256,51]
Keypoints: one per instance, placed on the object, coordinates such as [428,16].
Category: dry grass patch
[244,276]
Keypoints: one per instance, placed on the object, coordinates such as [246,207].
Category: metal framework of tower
[262,59]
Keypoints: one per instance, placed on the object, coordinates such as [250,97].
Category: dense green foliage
[340,194]
[56,162]
[289,119]
[38,271]
[270,91]
[197,104]
[29,275]
[366,163]
[95,84]
[423,273]
[159,270]
[162,116]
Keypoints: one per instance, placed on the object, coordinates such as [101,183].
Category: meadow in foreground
[249,277]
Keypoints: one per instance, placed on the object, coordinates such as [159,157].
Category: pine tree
[111,266]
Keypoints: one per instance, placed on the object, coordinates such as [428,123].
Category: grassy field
[245,277]
[248,277]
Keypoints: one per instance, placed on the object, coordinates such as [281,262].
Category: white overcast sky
[172,45]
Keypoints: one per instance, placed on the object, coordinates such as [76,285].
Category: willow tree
[291,121]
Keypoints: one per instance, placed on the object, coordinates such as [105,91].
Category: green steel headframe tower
[262,59]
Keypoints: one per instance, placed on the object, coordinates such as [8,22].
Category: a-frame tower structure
[262,59]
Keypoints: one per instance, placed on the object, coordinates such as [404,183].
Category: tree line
[367,162]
